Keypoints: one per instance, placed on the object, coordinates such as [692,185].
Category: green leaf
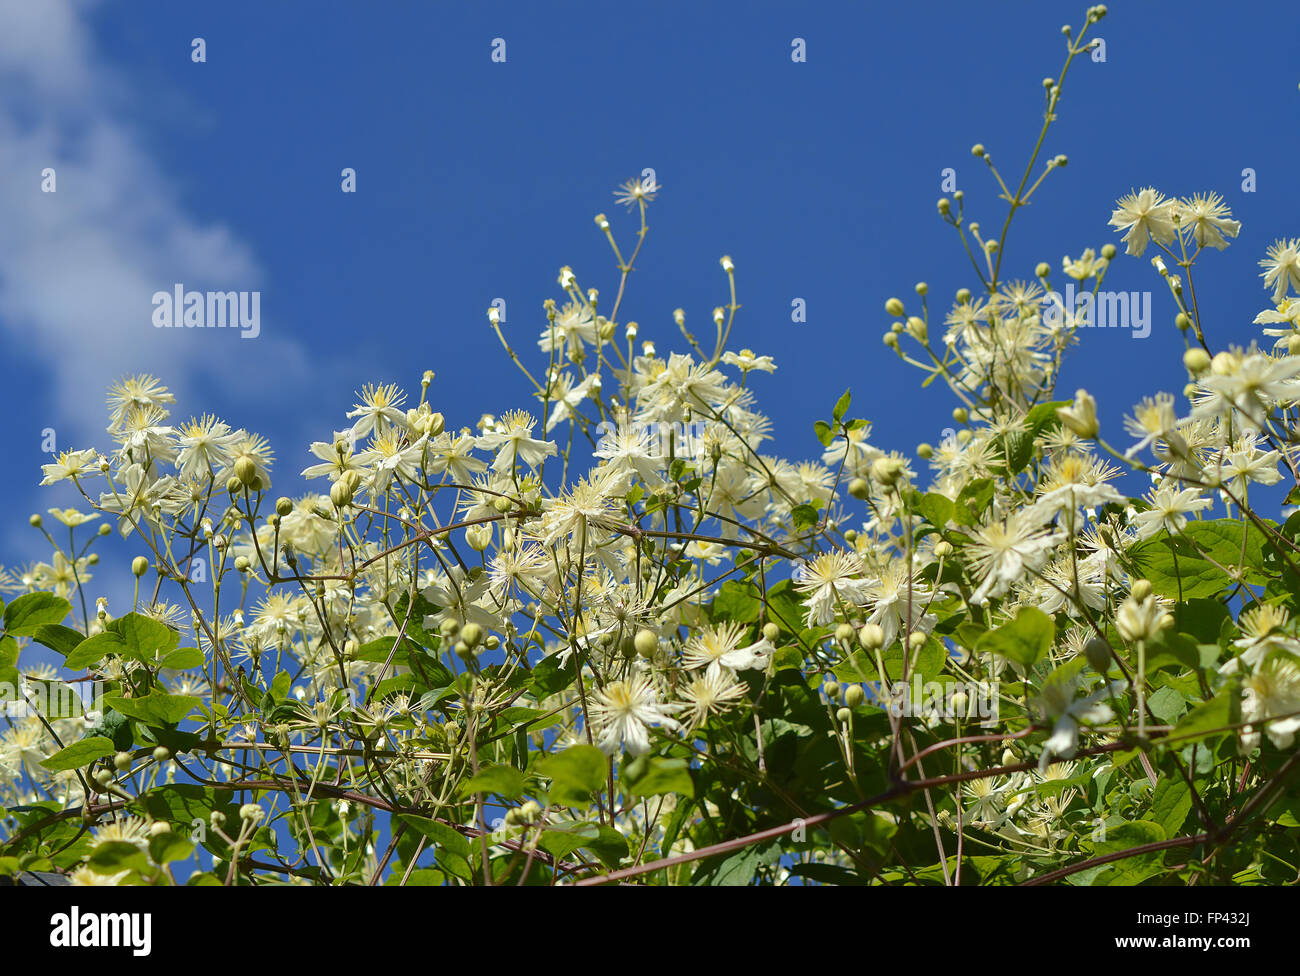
[736,869]
[1222,710]
[169,846]
[973,500]
[31,611]
[114,856]
[1171,804]
[610,846]
[182,659]
[805,516]
[824,432]
[506,781]
[452,850]
[841,406]
[1167,704]
[661,775]
[58,638]
[1177,570]
[155,708]
[143,636]
[936,509]
[1126,835]
[79,754]
[1024,640]
[575,774]
[736,601]
[92,650]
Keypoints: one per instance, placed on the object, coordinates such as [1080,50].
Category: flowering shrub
[608,637]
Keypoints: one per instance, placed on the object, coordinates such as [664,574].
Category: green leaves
[94,649]
[452,850]
[655,775]
[505,781]
[134,636]
[575,774]
[1188,566]
[1024,640]
[737,602]
[79,754]
[155,708]
[1215,716]
[30,612]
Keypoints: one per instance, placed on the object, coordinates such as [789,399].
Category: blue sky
[478,180]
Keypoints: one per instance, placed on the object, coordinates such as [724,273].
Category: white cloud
[78,267]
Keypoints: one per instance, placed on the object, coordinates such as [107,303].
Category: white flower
[379,409]
[1272,693]
[1147,215]
[624,711]
[1070,714]
[71,464]
[718,647]
[513,437]
[1001,553]
[1207,219]
[1169,510]
[830,579]
[1282,268]
[206,444]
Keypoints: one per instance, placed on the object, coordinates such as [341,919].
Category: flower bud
[139,566]
[162,754]
[283,506]
[479,537]
[1081,417]
[341,493]
[844,632]
[943,549]
[854,696]
[250,811]
[1097,651]
[1140,589]
[1043,270]
[122,760]
[887,470]
[646,643]
[832,689]
[872,637]
[916,640]
[843,716]
[894,307]
[859,489]
[471,634]
[771,632]
[1196,360]
[34,521]
[245,470]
